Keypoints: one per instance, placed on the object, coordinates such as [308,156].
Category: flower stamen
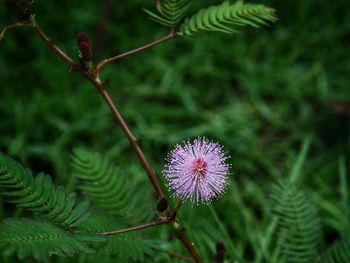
[200,166]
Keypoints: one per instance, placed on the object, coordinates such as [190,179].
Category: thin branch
[158,222]
[64,56]
[189,246]
[134,51]
[177,208]
[141,156]
[10,27]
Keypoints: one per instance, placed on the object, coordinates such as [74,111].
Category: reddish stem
[134,51]
[177,208]
[13,26]
[134,142]
[64,56]
[189,246]
[158,222]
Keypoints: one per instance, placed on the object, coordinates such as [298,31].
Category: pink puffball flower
[197,171]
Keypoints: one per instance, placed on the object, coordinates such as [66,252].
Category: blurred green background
[278,98]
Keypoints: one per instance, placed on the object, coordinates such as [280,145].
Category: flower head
[197,171]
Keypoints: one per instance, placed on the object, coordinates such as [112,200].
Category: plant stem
[101,87]
[158,222]
[177,208]
[104,62]
[13,26]
[134,142]
[189,246]
[64,56]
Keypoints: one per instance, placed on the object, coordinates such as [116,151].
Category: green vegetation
[277,98]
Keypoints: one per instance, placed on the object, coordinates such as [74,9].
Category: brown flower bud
[84,46]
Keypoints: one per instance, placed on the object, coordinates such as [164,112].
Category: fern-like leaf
[38,238]
[102,182]
[39,195]
[300,225]
[226,17]
[127,247]
[338,252]
[171,12]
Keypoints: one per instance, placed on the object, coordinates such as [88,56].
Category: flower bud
[85,53]
[84,46]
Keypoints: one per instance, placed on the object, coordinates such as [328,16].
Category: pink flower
[197,171]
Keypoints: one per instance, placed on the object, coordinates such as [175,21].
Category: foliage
[338,252]
[39,195]
[126,247]
[107,186]
[40,238]
[223,17]
[260,94]
[300,225]
[171,12]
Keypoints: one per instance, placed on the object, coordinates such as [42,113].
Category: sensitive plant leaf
[339,252]
[126,247]
[41,239]
[78,213]
[300,227]
[170,12]
[39,195]
[106,186]
[225,18]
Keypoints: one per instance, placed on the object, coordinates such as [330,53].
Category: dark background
[277,98]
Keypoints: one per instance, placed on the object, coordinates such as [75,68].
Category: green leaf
[106,186]
[171,12]
[40,239]
[126,247]
[39,195]
[300,227]
[226,17]
[81,211]
[339,252]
